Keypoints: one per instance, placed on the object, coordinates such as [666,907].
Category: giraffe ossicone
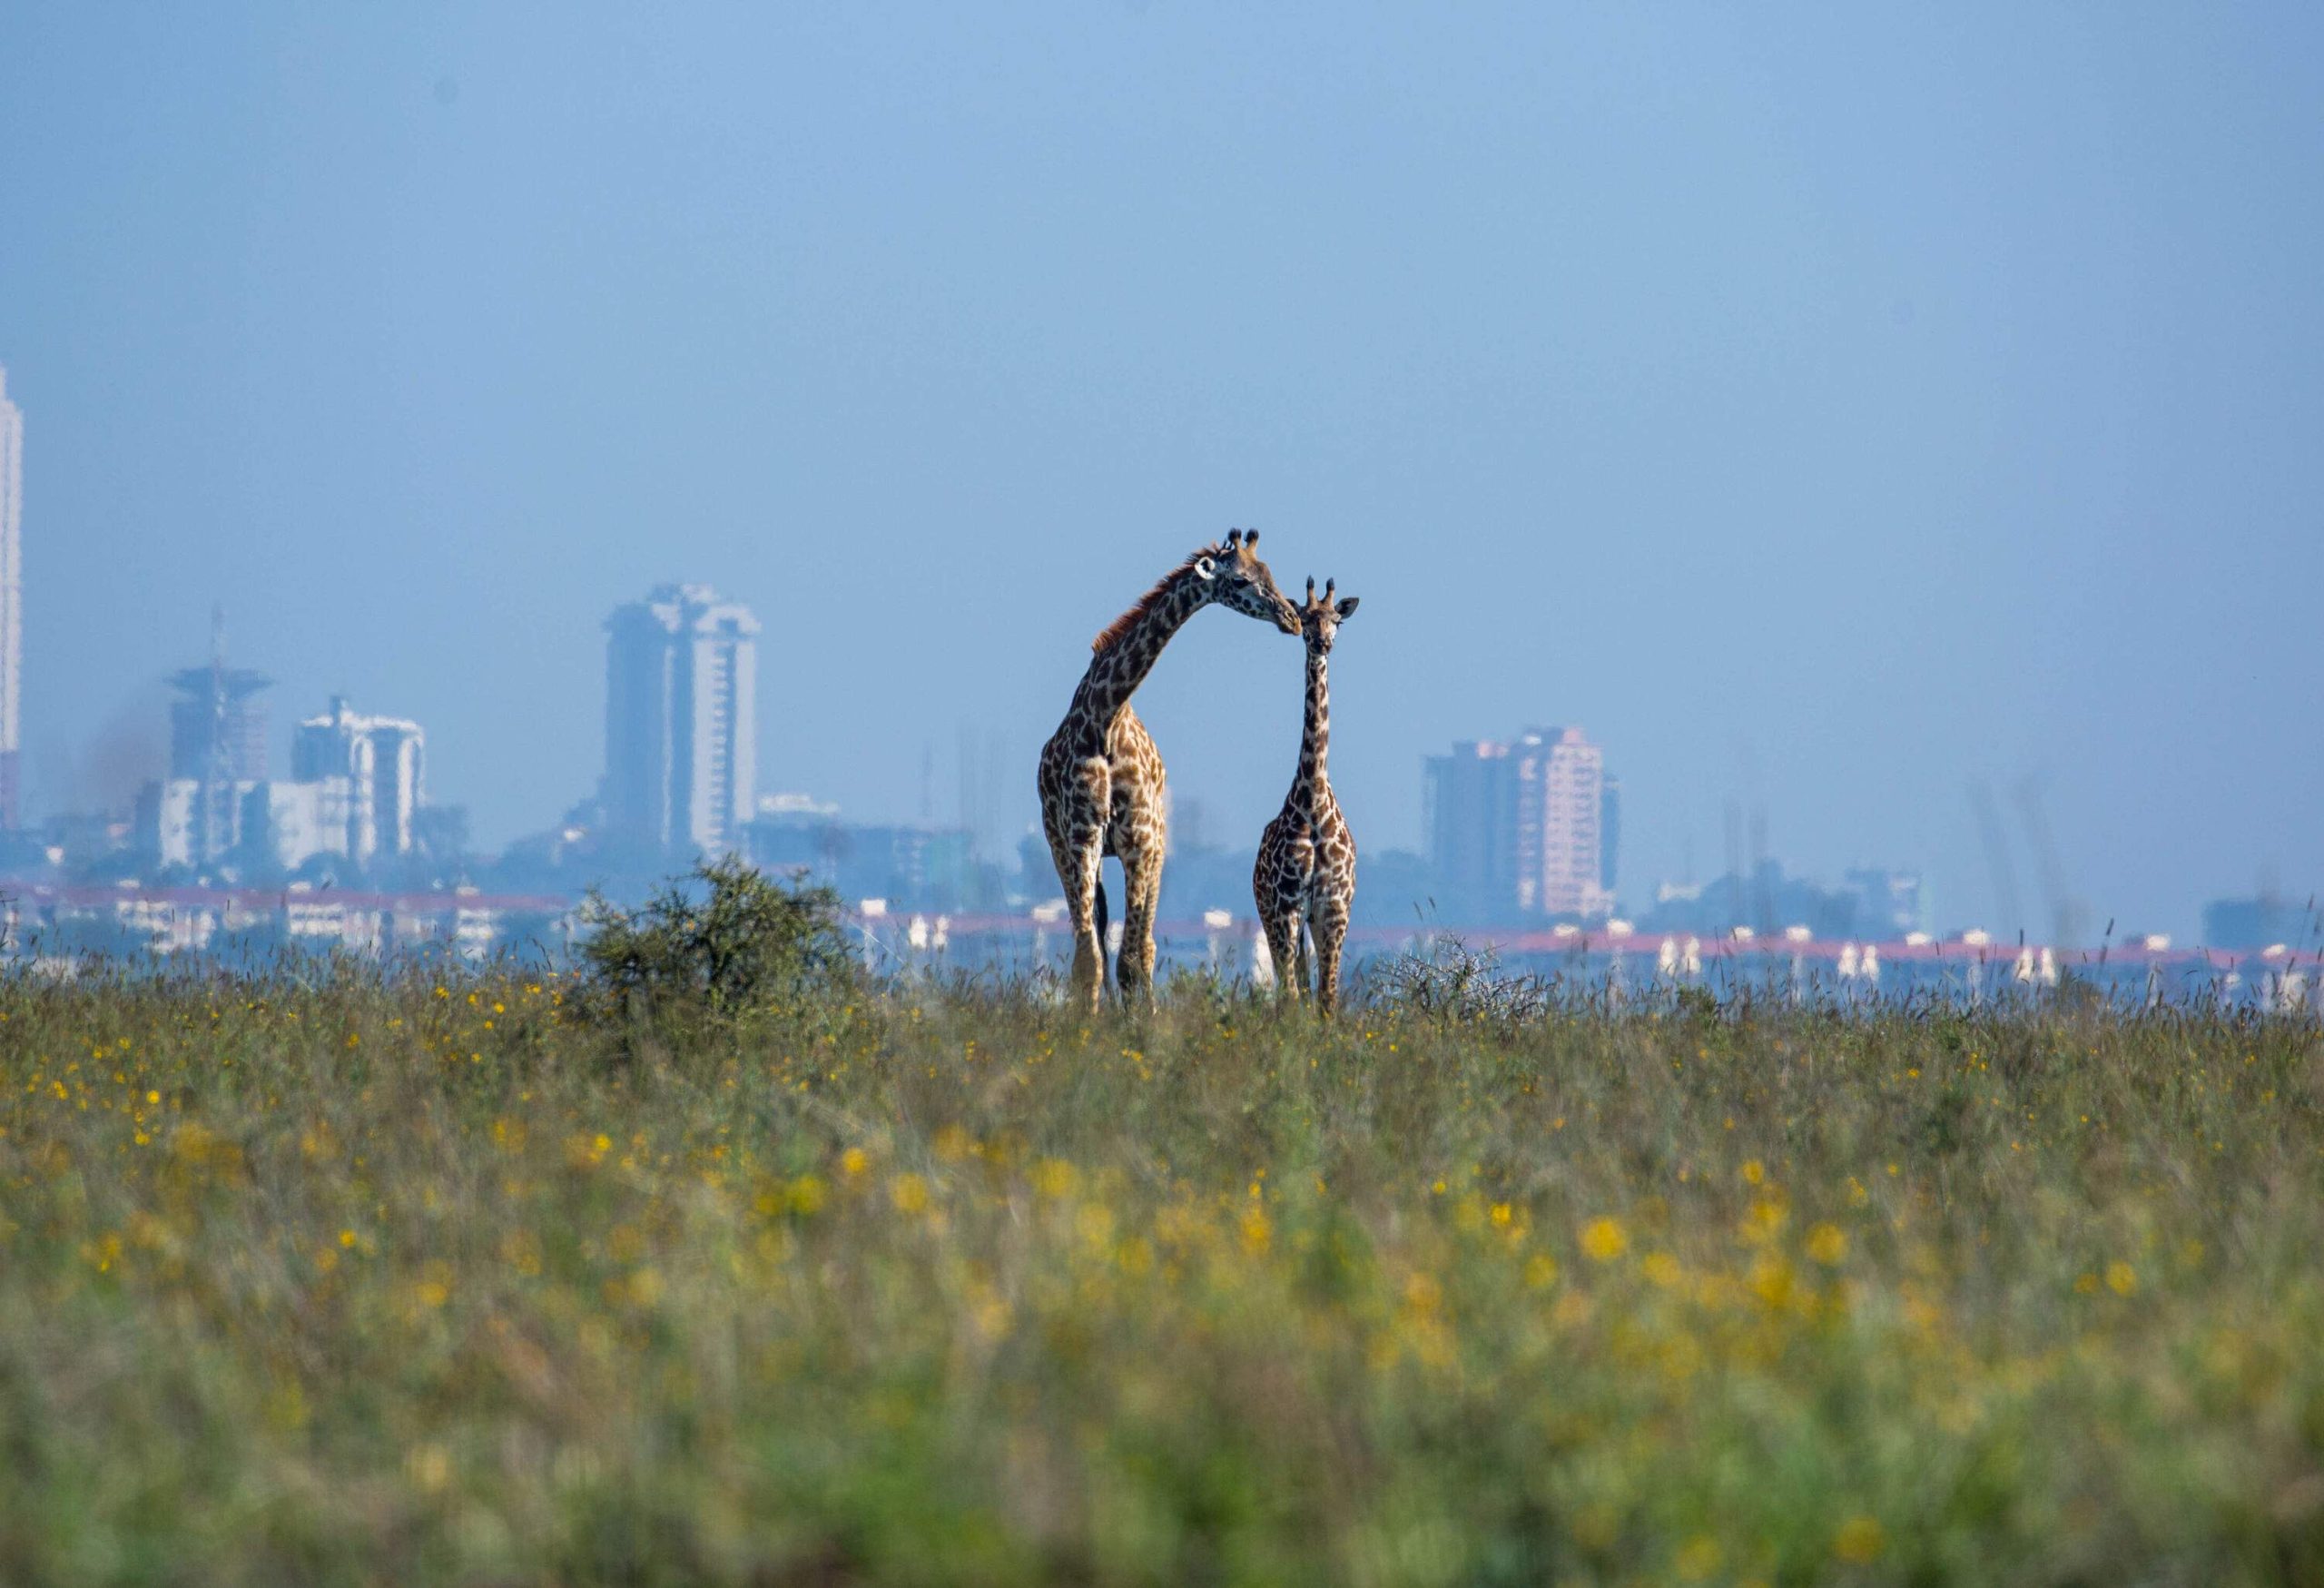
[1101,779]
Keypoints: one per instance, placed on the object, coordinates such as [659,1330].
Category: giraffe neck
[1115,672]
[1316,733]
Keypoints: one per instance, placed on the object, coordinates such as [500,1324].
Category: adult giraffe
[1101,776]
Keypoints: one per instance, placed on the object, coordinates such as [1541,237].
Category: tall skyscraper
[1472,821]
[217,755]
[681,734]
[1520,828]
[384,762]
[217,724]
[1561,811]
[12,599]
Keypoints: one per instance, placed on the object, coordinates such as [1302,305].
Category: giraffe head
[1319,621]
[1233,575]
[1230,575]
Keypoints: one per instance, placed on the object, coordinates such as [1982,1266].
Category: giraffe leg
[1103,923]
[1142,886]
[1089,947]
[1077,846]
[1140,835]
[1328,926]
[1283,947]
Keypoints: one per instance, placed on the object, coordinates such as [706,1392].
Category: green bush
[725,940]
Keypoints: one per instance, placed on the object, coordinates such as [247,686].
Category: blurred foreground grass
[432,1282]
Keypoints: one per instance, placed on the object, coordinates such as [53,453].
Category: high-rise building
[1520,828]
[1470,816]
[217,755]
[384,762]
[354,787]
[218,723]
[681,736]
[1561,786]
[12,599]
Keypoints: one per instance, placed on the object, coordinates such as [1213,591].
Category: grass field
[436,1281]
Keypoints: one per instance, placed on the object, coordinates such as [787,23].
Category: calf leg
[1328,924]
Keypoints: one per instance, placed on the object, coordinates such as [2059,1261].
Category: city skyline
[681,689]
[1523,836]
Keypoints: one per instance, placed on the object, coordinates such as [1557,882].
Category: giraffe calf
[1306,868]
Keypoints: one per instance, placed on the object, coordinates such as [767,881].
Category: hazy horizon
[1830,414]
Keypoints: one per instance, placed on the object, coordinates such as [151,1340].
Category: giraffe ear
[1347,607]
[1205,569]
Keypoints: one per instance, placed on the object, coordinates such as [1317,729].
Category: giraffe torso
[1306,863]
[1124,807]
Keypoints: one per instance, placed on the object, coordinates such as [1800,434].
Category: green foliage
[725,939]
[347,1279]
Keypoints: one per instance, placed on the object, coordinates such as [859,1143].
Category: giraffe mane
[1113,632]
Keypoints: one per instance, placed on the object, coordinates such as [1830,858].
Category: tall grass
[346,1279]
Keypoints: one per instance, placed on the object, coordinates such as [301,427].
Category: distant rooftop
[795,804]
[235,682]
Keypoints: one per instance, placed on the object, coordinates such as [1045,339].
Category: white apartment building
[1558,836]
[194,822]
[382,761]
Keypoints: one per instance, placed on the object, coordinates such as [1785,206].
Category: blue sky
[1828,409]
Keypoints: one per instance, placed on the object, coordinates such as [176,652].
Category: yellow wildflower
[1859,1540]
[1604,1240]
[1256,1231]
[1698,1558]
